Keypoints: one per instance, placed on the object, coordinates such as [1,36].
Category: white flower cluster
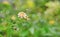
[23,15]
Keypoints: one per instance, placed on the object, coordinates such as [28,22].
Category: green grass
[44,19]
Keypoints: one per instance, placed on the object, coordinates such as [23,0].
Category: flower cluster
[23,15]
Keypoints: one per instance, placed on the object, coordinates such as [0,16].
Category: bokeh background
[44,18]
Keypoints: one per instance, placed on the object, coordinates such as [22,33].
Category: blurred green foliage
[44,18]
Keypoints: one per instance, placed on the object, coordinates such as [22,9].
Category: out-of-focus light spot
[6,2]
[51,22]
[13,17]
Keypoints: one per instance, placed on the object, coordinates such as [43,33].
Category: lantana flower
[23,15]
